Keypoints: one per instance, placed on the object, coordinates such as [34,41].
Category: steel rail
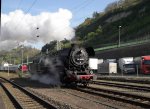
[17,105]
[123,85]
[44,103]
[104,104]
[117,95]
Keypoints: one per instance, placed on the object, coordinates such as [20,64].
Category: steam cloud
[52,75]
[20,27]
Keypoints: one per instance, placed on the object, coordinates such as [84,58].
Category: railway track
[127,97]
[23,99]
[124,85]
[81,97]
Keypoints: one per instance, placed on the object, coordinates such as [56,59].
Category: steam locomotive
[71,64]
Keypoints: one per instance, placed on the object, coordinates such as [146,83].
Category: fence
[145,39]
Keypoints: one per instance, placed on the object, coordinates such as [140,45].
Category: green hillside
[14,56]
[103,28]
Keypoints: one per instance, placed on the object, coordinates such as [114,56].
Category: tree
[51,46]
[95,15]
[111,6]
[91,35]
[99,30]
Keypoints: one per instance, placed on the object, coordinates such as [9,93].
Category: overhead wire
[17,7]
[27,11]
[85,5]
[31,6]
[19,4]
[77,8]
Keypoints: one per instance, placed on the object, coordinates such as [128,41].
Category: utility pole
[27,60]
[22,60]
[119,37]
[8,69]
[58,45]
[10,59]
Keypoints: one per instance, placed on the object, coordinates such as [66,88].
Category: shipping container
[107,68]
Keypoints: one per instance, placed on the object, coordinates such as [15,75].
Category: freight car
[23,67]
[10,68]
[72,64]
[14,68]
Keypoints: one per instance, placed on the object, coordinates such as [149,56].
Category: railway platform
[129,78]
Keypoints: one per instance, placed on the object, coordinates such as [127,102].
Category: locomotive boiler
[71,64]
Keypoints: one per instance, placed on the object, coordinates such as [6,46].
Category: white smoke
[20,27]
[52,75]
[46,79]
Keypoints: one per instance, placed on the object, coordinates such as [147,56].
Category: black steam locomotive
[71,64]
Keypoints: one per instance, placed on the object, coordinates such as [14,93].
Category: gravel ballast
[67,98]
